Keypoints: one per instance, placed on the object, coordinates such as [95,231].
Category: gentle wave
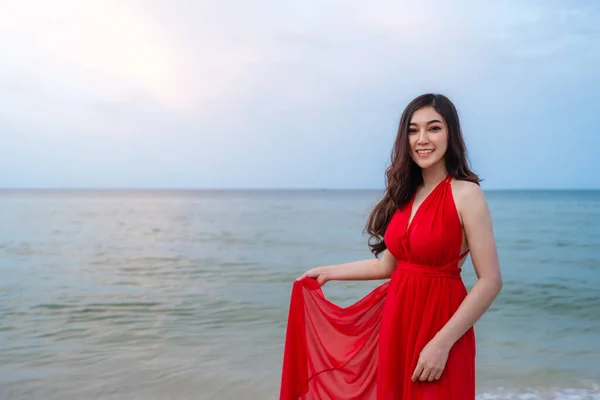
[543,394]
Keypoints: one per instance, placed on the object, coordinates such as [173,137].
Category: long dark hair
[404,176]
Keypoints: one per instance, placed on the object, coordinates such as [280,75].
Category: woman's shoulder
[464,187]
[467,195]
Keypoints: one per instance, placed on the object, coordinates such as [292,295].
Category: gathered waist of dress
[450,270]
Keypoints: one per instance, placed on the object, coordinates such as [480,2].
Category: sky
[281,94]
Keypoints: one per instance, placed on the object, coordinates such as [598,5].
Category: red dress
[369,350]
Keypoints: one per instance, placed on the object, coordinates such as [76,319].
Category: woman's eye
[435,128]
[412,131]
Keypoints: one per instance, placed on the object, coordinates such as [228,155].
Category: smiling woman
[426,135]
[411,337]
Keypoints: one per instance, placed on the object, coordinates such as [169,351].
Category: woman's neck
[433,175]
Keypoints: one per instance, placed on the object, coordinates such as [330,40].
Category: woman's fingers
[322,279]
[426,373]
[418,371]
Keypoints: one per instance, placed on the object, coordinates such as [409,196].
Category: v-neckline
[409,220]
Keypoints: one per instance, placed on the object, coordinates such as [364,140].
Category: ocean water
[184,294]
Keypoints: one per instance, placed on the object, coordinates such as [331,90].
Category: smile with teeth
[425,151]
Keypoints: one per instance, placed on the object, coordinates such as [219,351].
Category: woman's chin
[425,164]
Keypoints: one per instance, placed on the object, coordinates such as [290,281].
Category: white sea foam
[592,393]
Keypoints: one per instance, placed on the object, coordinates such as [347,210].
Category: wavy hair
[404,176]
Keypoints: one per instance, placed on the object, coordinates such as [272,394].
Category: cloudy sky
[281,94]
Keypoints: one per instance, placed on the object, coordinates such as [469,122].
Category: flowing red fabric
[369,350]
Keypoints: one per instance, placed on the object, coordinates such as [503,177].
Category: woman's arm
[364,270]
[477,223]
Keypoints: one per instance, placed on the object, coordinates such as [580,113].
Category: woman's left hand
[432,361]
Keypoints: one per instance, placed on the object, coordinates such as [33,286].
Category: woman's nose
[423,138]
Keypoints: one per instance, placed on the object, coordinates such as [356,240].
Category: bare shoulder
[469,198]
[467,193]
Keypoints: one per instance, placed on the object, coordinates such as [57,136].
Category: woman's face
[427,137]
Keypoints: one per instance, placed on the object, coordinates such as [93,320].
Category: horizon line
[163,189]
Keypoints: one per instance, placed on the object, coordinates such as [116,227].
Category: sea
[184,294]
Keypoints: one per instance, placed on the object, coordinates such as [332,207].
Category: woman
[412,337]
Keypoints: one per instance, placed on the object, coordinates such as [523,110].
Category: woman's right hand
[316,273]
